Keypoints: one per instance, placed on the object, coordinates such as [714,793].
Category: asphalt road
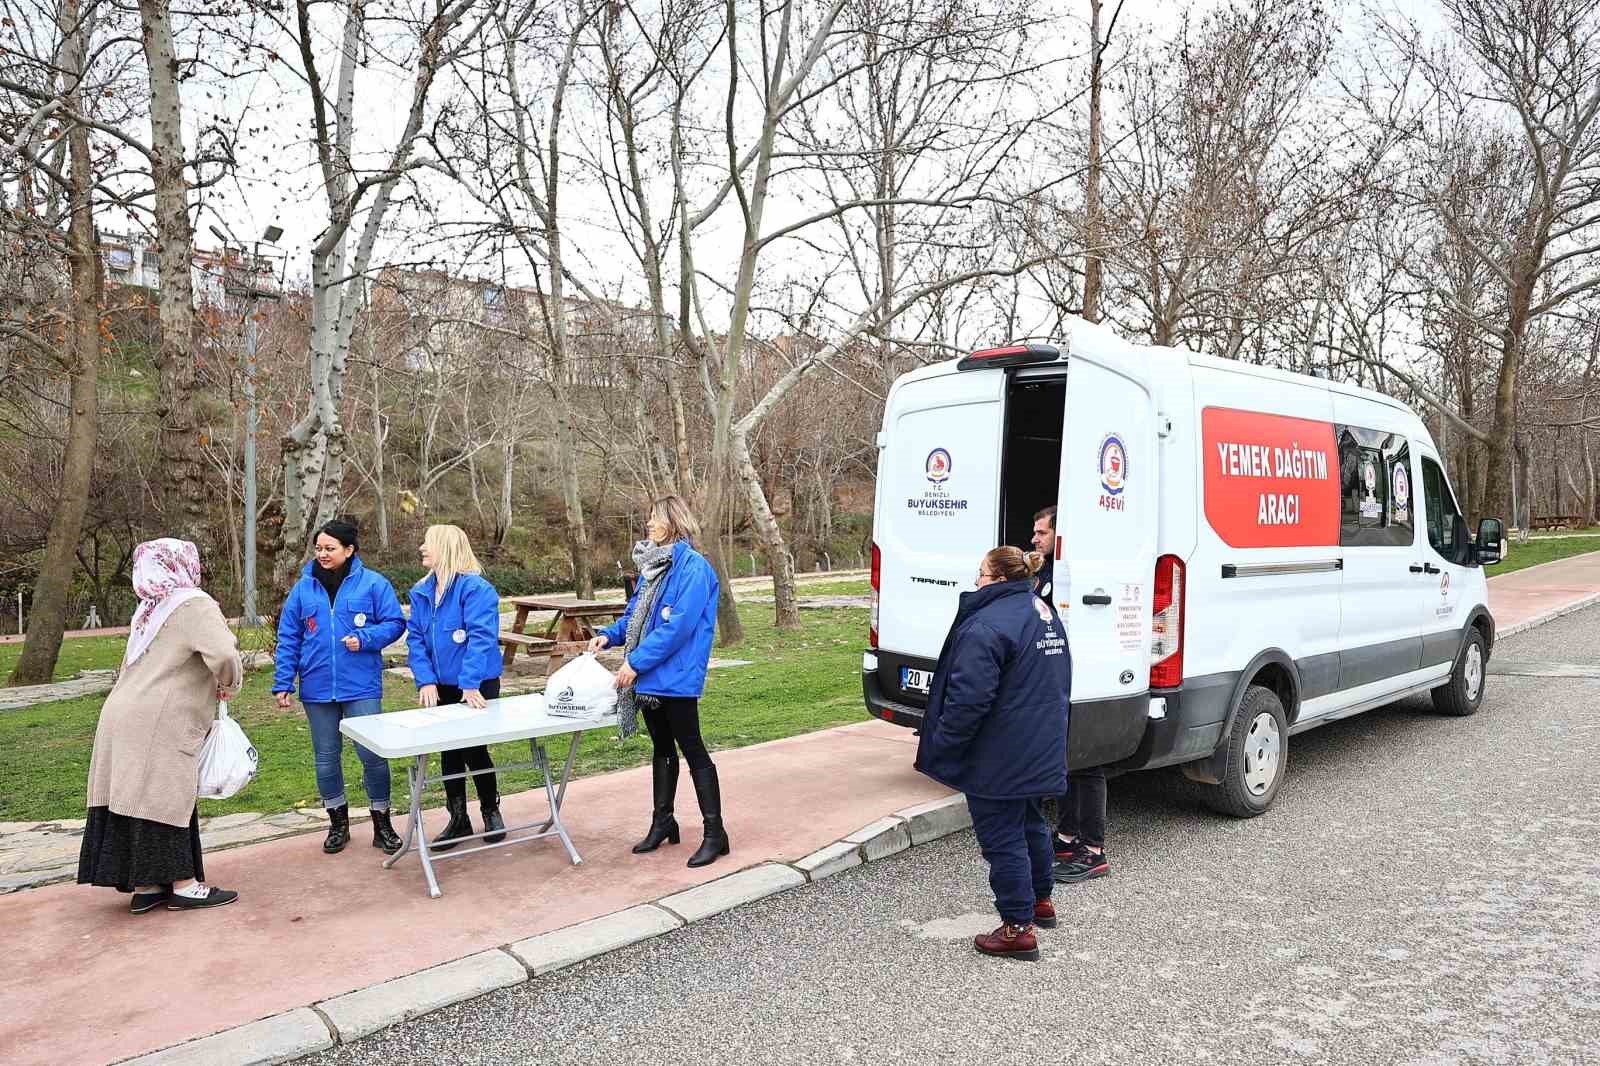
[1424,891]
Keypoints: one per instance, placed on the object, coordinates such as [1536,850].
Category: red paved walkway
[85,982]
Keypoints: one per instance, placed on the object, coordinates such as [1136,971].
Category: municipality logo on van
[938,466]
[1113,465]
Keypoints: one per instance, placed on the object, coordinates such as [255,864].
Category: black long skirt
[123,853]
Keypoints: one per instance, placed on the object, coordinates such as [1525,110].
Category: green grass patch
[853,587]
[800,682]
[1542,550]
[83,653]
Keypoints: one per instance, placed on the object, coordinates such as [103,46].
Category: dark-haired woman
[996,729]
[331,634]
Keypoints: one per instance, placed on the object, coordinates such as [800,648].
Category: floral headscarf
[166,575]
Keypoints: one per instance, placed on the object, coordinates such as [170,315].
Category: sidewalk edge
[1548,616]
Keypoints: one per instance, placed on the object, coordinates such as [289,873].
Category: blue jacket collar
[355,567]
[978,599]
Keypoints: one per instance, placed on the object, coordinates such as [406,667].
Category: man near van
[1081,822]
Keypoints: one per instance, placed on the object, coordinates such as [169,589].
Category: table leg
[521,623]
[419,785]
[555,795]
[414,823]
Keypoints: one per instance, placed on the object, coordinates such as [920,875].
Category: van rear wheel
[1258,756]
[1462,694]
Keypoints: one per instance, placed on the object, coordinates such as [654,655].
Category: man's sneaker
[1067,850]
[1083,867]
[1009,942]
[1044,914]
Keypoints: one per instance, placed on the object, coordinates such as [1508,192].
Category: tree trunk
[787,609]
[53,590]
[380,433]
[182,488]
[502,521]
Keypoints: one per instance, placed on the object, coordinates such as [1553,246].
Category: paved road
[1425,891]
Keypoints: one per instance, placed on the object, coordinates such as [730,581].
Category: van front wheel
[1258,756]
[1462,694]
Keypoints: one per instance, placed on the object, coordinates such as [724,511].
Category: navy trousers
[1015,840]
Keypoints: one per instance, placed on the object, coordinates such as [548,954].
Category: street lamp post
[252,293]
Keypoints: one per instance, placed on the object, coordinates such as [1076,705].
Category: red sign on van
[1270,481]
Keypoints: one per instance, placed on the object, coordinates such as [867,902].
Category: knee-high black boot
[489,804]
[709,792]
[664,787]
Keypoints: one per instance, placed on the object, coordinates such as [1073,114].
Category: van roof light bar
[1010,355]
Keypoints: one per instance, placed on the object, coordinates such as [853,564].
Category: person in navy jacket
[666,635]
[331,634]
[453,642]
[996,729]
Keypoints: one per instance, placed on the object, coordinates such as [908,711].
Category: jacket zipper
[333,641]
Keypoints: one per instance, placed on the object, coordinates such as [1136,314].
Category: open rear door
[1106,530]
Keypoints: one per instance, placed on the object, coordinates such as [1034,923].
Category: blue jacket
[996,723]
[311,634]
[457,641]
[675,646]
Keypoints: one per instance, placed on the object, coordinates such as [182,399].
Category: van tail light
[877,584]
[1166,624]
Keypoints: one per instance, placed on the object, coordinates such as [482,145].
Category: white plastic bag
[228,760]
[581,689]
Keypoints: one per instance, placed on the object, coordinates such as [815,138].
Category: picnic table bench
[574,624]
[1566,521]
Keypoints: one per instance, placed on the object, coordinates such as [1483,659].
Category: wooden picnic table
[574,619]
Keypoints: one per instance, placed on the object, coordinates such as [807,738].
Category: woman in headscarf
[143,831]
[331,634]
[666,638]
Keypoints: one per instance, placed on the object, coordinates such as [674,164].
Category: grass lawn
[83,653]
[854,587]
[800,682]
[1543,550]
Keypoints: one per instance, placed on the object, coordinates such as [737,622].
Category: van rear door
[1106,529]
[937,507]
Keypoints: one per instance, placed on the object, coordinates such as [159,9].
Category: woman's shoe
[709,791]
[664,788]
[338,829]
[214,897]
[494,826]
[460,825]
[383,834]
[148,901]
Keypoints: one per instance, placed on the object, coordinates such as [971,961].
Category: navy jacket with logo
[311,634]
[996,723]
[456,641]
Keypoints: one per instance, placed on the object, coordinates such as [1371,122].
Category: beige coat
[146,761]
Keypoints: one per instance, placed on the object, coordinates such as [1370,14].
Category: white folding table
[417,734]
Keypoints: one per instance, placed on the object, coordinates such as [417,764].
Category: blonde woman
[453,642]
[666,638]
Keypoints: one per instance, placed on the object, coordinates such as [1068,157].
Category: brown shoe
[1009,942]
[1044,914]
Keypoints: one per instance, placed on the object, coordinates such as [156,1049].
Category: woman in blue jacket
[453,642]
[996,729]
[331,634]
[666,637]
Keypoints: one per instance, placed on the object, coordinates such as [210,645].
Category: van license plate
[915,680]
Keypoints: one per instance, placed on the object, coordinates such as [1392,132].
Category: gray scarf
[653,561]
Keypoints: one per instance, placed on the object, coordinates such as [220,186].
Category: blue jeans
[1016,843]
[327,744]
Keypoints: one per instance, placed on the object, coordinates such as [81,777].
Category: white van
[1245,553]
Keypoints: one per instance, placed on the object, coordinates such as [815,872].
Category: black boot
[489,805]
[663,826]
[383,834]
[338,829]
[460,825]
[710,795]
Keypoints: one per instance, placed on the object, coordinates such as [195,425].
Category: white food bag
[228,760]
[581,689]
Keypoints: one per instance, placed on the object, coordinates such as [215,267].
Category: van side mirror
[1491,541]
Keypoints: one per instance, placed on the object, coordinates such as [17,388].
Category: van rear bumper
[1116,732]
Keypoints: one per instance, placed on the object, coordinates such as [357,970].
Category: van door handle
[1416,569]
[1429,568]
[1097,599]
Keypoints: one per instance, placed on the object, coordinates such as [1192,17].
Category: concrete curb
[347,1018]
[1549,616]
[280,1038]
